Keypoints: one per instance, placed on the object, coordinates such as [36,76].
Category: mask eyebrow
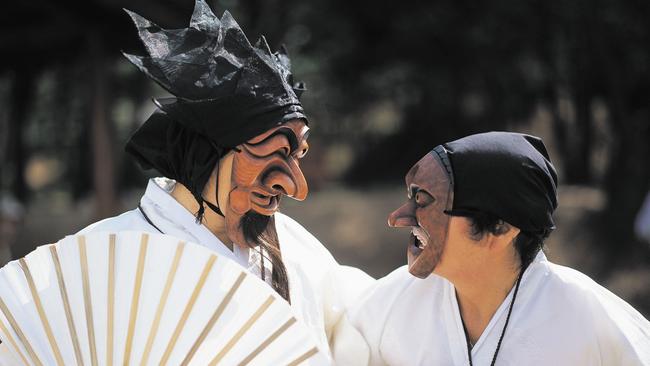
[286,132]
[293,140]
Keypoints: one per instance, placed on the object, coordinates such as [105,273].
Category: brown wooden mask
[430,194]
[265,168]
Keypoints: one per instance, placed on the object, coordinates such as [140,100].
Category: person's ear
[504,235]
[511,233]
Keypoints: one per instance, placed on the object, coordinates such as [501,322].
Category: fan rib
[163,301]
[13,342]
[188,309]
[66,305]
[41,311]
[268,341]
[304,357]
[110,309]
[87,300]
[213,320]
[240,333]
[135,299]
[19,333]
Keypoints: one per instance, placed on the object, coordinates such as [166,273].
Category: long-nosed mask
[430,193]
[265,168]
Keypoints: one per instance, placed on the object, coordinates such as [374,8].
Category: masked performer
[477,289]
[228,143]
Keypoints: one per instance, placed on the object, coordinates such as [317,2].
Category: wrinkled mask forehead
[296,133]
[431,175]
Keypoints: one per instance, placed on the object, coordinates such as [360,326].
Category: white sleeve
[337,288]
[623,333]
[371,313]
[344,287]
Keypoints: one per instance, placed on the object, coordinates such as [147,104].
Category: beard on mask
[255,227]
[259,230]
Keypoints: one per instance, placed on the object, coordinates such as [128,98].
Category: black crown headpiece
[225,92]
[224,88]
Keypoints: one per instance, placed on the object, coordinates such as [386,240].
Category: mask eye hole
[423,198]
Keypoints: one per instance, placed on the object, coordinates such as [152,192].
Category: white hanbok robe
[560,317]
[321,289]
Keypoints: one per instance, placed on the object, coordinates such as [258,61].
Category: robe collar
[486,344]
[173,219]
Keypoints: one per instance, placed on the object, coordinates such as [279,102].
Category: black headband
[505,174]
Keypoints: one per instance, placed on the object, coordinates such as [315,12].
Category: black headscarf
[225,92]
[505,174]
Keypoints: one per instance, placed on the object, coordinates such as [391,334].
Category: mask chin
[423,264]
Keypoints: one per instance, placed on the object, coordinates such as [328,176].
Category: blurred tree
[21,98]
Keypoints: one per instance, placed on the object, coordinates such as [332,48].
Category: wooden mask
[430,194]
[265,168]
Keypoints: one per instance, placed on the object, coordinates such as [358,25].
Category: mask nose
[291,183]
[403,216]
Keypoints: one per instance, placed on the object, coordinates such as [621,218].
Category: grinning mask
[265,168]
[430,192]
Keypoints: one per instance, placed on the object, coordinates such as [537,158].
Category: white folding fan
[144,299]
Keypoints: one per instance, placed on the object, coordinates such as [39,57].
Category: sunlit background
[387,80]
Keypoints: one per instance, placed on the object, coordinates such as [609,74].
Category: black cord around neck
[503,332]
[211,206]
[148,219]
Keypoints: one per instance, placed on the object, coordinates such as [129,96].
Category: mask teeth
[421,241]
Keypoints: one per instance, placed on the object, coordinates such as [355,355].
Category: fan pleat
[19,333]
[304,357]
[88,307]
[41,312]
[267,341]
[188,309]
[135,299]
[242,330]
[214,318]
[163,301]
[11,340]
[110,309]
[66,305]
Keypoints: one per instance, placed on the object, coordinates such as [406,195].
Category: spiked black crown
[224,88]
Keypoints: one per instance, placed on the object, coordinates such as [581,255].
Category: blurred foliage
[388,81]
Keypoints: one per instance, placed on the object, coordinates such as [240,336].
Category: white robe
[321,289]
[560,317]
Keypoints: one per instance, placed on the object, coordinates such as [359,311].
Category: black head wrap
[505,174]
[225,92]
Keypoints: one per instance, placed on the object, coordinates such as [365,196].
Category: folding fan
[141,298]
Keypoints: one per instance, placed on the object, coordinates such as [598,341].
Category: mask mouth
[265,204]
[421,236]
[418,240]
